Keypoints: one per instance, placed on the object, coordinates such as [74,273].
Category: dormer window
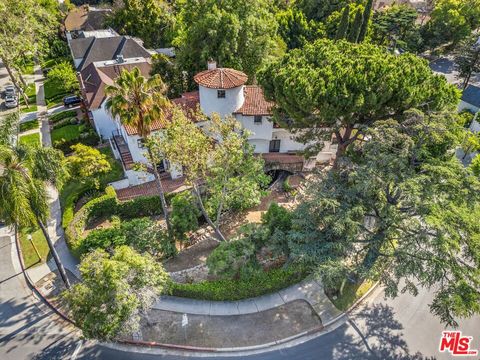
[257,119]
[221,94]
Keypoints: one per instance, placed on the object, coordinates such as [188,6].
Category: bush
[62,115]
[28,125]
[229,259]
[184,215]
[142,234]
[89,138]
[277,217]
[259,283]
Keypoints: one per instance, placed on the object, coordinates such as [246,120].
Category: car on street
[11,101]
[69,101]
[9,90]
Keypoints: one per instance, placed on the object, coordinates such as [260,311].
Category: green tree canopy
[87,163]
[296,30]
[240,34]
[396,26]
[467,58]
[319,10]
[342,88]
[64,76]
[150,20]
[167,68]
[115,290]
[404,209]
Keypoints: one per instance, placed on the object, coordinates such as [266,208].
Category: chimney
[211,64]
[120,59]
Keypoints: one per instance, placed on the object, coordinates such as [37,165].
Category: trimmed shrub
[277,217]
[184,215]
[229,259]
[62,115]
[259,283]
[29,125]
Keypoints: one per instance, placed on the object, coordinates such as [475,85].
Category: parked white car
[11,101]
[10,90]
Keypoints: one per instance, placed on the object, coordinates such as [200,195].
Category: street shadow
[372,333]
[443,65]
[58,350]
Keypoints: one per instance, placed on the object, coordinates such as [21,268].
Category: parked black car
[71,100]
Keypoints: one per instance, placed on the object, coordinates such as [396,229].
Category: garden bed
[351,293]
[66,135]
[31,94]
[54,93]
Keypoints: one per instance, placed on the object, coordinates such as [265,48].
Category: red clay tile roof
[255,103]
[149,188]
[221,78]
[189,102]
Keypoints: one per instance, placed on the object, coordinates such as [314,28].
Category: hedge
[105,206]
[29,125]
[62,115]
[260,283]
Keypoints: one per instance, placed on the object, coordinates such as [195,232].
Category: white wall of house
[138,177]
[210,103]
[104,124]
[261,131]
[287,143]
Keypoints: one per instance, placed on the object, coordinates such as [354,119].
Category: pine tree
[366,19]
[343,26]
[356,26]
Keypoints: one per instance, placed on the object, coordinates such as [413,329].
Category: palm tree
[24,176]
[138,102]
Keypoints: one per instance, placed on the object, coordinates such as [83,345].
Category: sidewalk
[310,291]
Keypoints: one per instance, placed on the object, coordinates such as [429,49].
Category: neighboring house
[88,50]
[471,101]
[83,20]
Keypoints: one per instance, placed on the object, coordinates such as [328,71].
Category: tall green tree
[451,21]
[150,20]
[64,76]
[116,289]
[319,10]
[171,74]
[467,58]
[26,25]
[404,212]
[25,174]
[138,102]
[396,26]
[367,13]
[87,164]
[240,34]
[342,88]
[231,176]
[354,32]
[296,30]
[342,29]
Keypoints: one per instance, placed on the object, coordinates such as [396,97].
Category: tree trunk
[59,264]
[15,82]
[467,79]
[204,212]
[161,192]
[220,206]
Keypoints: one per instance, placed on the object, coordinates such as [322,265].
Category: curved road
[380,329]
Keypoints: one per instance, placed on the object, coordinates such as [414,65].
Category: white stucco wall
[475,126]
[287,143]
[104,124]
[210,103]
[260,146]
[261,131]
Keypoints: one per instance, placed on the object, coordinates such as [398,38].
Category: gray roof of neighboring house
[471,95]
[101,49]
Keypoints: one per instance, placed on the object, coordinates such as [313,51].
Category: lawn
[32,99]
[29,255]
[67,133]
[30,139]
[73,190]
[29,125]
[351,293]
[54,93]
[48,63]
